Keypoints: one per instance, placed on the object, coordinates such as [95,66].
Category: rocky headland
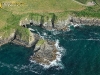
[44,51]
[16,39]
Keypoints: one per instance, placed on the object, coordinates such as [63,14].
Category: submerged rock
[44,52]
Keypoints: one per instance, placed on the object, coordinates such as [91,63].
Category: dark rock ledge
[85,21]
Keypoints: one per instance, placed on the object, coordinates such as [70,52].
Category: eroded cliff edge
[53,22]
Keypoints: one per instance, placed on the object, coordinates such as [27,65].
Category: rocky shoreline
[45,51]
[85,21]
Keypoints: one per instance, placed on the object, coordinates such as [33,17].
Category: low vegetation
[40,42]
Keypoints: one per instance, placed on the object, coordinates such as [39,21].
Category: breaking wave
[57,62]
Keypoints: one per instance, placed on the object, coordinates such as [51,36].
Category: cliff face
[60,24]
[7,39]
[48,21]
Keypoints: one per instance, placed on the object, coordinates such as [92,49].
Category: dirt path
[87,4]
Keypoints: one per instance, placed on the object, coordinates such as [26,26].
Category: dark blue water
[82,56]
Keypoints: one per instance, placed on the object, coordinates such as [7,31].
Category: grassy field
[92,11]
[41,6]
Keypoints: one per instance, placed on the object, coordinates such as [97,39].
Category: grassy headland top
[12,11]
[11,8]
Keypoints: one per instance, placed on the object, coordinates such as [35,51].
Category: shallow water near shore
[81,54]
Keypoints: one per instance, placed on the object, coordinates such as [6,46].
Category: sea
[78,47]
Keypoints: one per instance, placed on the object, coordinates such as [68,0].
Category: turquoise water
[82,55]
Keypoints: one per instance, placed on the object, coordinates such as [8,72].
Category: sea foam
[57,62]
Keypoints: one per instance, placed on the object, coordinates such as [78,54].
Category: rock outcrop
[33,38]
[16,39]
[44,52]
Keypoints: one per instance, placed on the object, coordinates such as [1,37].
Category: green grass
[35,9]
[40,42]
[4,15]
[6,31]
[92,11]
[41,6]
[23,33]
[89,12]
[9,23]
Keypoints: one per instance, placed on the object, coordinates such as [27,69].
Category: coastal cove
[79,48]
